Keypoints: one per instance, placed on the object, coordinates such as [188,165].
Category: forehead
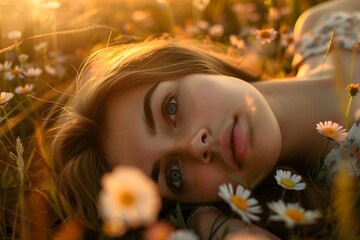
[126,132]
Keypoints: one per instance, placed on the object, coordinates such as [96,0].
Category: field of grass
[42,46]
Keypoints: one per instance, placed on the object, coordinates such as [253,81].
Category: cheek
[203,183]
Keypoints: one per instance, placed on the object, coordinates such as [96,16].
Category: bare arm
[211,223]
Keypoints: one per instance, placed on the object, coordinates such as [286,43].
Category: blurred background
[141,18]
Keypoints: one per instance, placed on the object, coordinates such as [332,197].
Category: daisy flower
[292,214]
[14,35]
[160,230]
[5,97]
[203,25]
[237,42]
[216,30]
[23,58]
[240,202]
[24,89]
[128,198]
[6,66]
[266,35]
[33,72]
[288,180]
[114,228]
[332,130]
[50,70]
[16,72]
[287,39]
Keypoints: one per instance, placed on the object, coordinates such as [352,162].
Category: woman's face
[193,134]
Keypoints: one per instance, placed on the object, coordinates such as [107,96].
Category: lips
[238,140]
[233,143]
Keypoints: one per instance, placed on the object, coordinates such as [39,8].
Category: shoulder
[310,17]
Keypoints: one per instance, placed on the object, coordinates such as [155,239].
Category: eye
[171,108]
[173,178]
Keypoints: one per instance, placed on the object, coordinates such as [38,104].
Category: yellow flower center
[113,228]
[353,89]
[289,40]
[295,215]
[126,199]
[2,99]
[239,202]
[264,34]
[24,89]
[15,72]
[287,182]
[330,132]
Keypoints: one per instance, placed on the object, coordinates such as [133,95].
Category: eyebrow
[155,171]
[149,119]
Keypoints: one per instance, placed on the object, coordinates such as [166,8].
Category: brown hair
[77,136]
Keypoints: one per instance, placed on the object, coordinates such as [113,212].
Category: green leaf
[178,220]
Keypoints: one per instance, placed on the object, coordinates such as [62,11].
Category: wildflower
[160,230]
[284,29]
[287,39]
[216,30]
[23,58]
[183,234]
[332,130]
[6,66]
[14,35]
[240,202]
[203,25]
[190,29]
[33,72]
[5,97]
[292,214]
[353,88]
[52,5]
[288,180]
[201,4]
[238,43]
[16,72]
[114,228]
[50,70]
[128,199]
[266,35]
[24,89]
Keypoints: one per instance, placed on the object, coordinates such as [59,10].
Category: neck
[298,104]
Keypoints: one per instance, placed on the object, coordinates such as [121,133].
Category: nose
[199,145]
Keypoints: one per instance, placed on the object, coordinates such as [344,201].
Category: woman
[189,117]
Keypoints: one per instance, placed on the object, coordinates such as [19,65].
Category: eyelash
[168,99]
[175,189]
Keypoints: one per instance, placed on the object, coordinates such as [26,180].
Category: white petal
[300,186]
[252,201]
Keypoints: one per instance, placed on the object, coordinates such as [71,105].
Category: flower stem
[321,161]
[347,113]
